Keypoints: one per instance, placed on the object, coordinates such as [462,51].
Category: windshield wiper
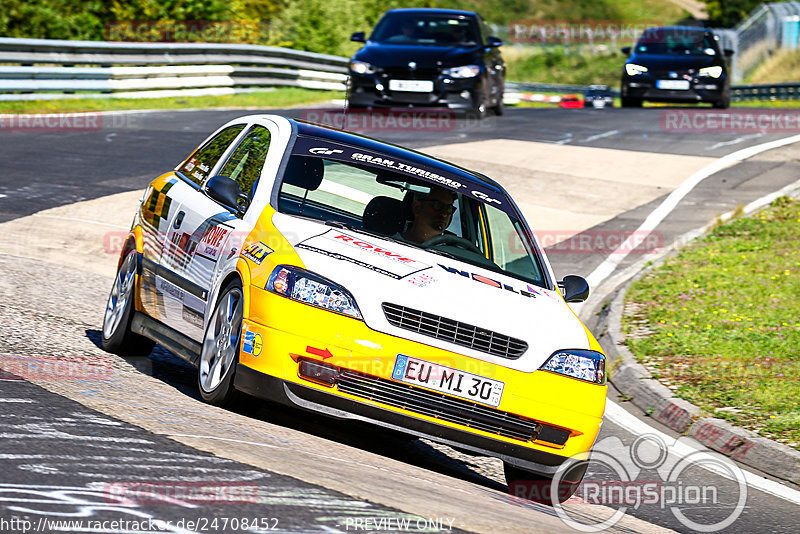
[443,253]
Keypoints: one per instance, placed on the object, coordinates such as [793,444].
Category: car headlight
[361,67]
[303,286]
[586,365]
[633,69]
[714,72]
[465,71]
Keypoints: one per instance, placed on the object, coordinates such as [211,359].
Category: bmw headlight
[303,286]
[582,364]
[714,72]
[465,71]
[361,67]
[633,69]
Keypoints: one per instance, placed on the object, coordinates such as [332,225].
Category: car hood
[390,55]
[673,62]
[377,271]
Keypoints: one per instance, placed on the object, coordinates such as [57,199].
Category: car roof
[430,10]
[405,154]
[680,28]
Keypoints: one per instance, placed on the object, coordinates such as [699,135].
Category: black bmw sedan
[676,64]
[428,57]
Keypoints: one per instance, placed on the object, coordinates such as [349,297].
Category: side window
[200,164]
[246,162]
[508,248]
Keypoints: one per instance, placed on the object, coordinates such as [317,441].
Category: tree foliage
[728,13]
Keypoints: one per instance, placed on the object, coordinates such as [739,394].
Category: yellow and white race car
[343,275]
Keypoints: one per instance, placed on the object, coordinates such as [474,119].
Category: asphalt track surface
[44,440]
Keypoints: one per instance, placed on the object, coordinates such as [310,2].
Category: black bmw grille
[438,405]
[404,73]
[453,331]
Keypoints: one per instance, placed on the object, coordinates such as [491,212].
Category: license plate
[679,85]
[411,86]
[448,380]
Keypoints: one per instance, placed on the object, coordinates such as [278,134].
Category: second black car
[676,64]
[428,57]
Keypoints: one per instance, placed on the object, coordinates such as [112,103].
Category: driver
[432,214]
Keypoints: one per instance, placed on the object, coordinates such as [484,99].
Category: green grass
[771,104]
[782,66]
[720,322]
[554,65]
[279,98]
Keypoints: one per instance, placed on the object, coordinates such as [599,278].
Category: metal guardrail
[739,93]
[775,91]
[42,66]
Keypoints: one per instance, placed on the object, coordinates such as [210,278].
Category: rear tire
[723,103]
[536,488]
[117,335]
[220,352]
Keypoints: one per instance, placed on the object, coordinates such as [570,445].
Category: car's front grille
[453,331]
[666,74]
[404,73]
[439,405]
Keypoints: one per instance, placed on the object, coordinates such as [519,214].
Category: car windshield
[676,42]
[426,29]
[354,191]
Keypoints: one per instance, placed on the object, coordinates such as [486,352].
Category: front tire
[631,103]
[220,352]
[499,107]
[117,335]
[722,103]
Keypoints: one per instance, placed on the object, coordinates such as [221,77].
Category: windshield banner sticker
[317,147]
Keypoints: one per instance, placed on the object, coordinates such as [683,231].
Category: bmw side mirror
[225,191]
[728,52]
[493,42]
[626,50]
[576,289]
[358,37]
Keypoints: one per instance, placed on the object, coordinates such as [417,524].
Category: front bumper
[702,89]
[372,90]
[565,411]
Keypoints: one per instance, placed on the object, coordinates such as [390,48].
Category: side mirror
[576,289]
[493,42]
[728,52]
[626,50]
[225,191]
[358,37]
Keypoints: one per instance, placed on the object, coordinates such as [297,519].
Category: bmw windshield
[676,41]
[425,29]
